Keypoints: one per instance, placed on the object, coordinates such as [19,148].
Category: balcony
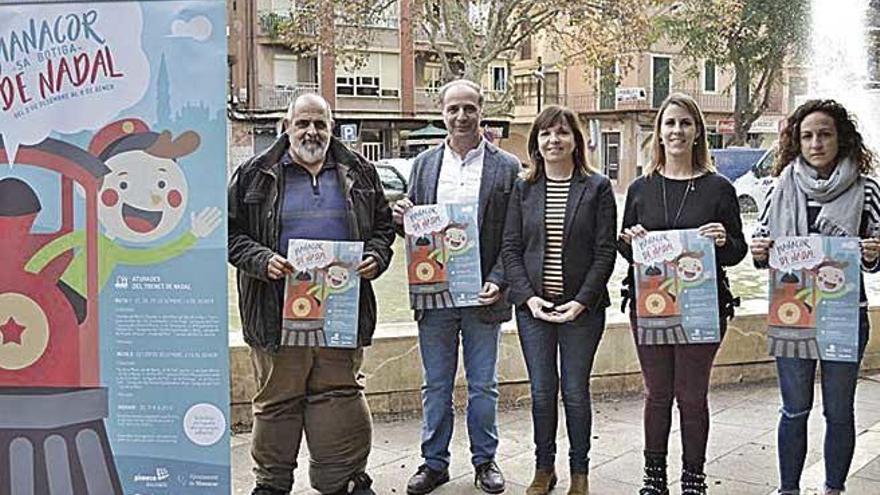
[367,104]
[708,102]
[427,100]
[278,97]
[382,20]
[272,13]
[579,102]
[594,102]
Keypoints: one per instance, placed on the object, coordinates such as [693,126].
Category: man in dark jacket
[464,169]
[307,185]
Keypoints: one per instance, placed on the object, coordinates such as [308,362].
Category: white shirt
[459,180]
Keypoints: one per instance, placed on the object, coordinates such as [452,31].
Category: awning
[428,132]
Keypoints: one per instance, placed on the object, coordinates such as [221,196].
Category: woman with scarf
[822,189]
[680,190]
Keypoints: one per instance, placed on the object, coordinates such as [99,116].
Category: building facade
[618,104]
[386,108]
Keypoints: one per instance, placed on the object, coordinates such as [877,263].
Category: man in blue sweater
[307,185]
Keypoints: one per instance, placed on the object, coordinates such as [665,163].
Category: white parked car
[402,165]
[752,187]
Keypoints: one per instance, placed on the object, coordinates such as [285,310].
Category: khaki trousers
[315,391]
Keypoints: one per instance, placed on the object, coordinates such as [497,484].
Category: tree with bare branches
[753,37]
[341,29]
[468,35]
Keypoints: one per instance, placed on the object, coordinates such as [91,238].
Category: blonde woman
[681,190]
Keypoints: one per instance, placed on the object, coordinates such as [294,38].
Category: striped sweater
[556,197]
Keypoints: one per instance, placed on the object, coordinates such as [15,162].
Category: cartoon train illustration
[654,297]
[658,301]
[791,328]
[427,268]
[303,306]
[305,302]
[52,427]
[792,306]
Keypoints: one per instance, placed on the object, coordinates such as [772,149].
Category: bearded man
[307,185]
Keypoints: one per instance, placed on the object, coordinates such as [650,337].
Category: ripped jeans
[796,385]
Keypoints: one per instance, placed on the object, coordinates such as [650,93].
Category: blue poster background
[443,255]
[465,275]
[676,288]
[161,314]
[814,290]
[332,300]
[838,331]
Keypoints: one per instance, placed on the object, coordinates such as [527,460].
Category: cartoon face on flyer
[144,196]
[814,287]
[321,297]
[675,274]
[442,254]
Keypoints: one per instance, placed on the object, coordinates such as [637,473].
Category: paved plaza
[741,454]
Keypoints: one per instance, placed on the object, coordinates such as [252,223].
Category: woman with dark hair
[680,190]
[822,188]
[558,251]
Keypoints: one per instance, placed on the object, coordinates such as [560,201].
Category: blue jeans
[439,331]
[576,344]
[796,380]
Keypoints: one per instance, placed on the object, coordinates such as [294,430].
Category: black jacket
[588,241]
[254,227]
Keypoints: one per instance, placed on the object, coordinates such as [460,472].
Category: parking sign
[348,132]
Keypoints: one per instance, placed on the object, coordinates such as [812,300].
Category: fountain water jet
[839,62]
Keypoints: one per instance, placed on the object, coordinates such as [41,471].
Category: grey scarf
[842,196]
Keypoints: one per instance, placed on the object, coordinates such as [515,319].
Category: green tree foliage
[755,38]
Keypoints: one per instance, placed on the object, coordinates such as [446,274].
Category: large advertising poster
[113,322]
[814,298]
[443,255]
[676,288]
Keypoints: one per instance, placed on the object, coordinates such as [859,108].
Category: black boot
[693,480]
[654,480]
[359,484]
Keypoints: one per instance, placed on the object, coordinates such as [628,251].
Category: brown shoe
[542,483]
[580,484]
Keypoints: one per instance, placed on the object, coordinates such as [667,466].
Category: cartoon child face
[142,198]
[831,279]
[455,238]
[689,268]
[337,277]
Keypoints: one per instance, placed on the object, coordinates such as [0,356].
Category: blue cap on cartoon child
[144,195]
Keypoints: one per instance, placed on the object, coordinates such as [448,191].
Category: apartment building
[618,104]
[386,108]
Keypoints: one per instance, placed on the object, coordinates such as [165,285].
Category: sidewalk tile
[721,486]
[751,463]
